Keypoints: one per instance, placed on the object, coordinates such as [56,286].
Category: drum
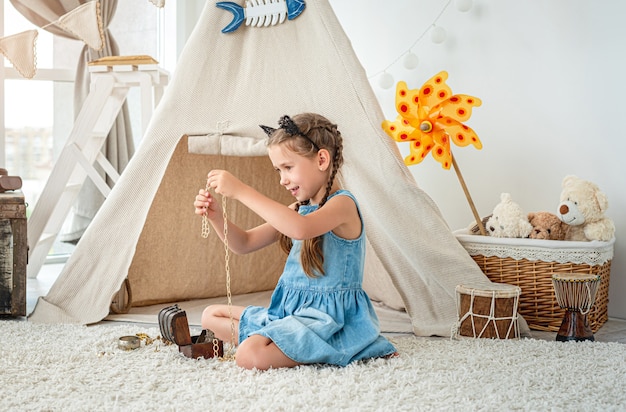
[488,311]
[576,293]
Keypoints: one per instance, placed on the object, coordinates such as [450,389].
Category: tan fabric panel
[173,262]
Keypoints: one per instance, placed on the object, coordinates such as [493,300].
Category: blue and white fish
[261,13]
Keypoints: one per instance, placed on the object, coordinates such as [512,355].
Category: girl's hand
[205,204]
[224,183]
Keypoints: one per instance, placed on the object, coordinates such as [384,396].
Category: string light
[410,61]
[438,35]
[463,5]
[385,81]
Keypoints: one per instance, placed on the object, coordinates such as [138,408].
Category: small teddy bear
[582,208]
[508,219]
[546,226]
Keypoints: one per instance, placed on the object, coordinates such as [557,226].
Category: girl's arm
[339,214]
[239,241]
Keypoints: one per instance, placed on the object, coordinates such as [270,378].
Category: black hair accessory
[268,130]
[290,127]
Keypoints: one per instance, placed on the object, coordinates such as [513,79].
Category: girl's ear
[323,159]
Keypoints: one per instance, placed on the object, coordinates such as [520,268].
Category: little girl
[318,312]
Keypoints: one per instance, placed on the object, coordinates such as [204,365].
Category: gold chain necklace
[206,229]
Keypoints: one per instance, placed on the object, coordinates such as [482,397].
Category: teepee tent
[224,86]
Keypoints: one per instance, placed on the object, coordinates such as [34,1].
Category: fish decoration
[261,13]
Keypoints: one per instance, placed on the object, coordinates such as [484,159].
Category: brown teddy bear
[547,226]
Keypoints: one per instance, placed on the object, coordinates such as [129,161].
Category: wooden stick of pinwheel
[479,221]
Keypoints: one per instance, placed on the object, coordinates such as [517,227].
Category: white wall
[552,78]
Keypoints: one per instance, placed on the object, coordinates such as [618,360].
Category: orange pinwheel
[429,118]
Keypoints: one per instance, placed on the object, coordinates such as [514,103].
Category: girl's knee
[259,352]
[248,355]
[244,361]
[208,315]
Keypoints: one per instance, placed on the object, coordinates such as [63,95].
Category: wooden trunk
[174,328]
[13,254]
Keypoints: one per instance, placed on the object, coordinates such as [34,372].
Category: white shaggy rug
[69,367]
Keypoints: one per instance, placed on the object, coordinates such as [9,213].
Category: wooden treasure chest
[13,254]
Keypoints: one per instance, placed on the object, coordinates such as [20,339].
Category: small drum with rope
[488,311]
[576,293]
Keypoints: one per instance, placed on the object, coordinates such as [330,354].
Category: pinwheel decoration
[431,117]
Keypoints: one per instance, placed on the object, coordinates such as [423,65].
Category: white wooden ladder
[108,90]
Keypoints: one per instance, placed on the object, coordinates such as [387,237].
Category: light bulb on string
[385,81]
[438,34]
[410,61]
[463,5]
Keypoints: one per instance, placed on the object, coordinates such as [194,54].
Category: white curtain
[119,146]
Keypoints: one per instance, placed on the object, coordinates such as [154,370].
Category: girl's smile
[294,191]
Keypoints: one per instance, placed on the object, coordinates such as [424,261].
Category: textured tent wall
[172,262]
[226,84]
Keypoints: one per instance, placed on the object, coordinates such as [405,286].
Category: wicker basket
[530,263]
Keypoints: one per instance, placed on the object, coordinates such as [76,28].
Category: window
[33,130]
[37,115]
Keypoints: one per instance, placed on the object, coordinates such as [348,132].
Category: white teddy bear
[582,208]
[508,219]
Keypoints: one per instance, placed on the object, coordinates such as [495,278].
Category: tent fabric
[230,83]
[172,262]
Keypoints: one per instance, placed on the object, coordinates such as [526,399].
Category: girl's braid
[335,165]
[304,202]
